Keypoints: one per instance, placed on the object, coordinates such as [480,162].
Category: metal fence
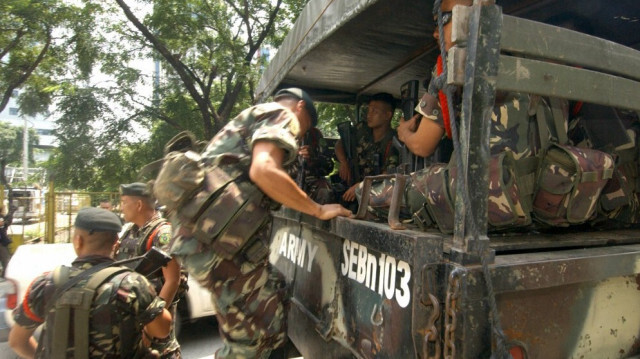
[49,216]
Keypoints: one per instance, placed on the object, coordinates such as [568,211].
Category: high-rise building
[43,127]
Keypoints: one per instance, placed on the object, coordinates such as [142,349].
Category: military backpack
[218,205]
[68,314]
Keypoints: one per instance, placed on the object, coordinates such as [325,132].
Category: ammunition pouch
[232,218]
[570,180]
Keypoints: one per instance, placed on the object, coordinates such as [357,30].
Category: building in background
[43,127]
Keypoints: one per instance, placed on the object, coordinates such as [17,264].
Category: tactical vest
[66,333]
[132,247]
[218,205]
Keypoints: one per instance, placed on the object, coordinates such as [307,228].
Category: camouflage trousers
[248,298]
[380,200]
[319,189]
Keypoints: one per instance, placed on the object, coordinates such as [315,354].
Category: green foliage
[330,115]
[108,130]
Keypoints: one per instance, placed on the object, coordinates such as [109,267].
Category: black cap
[302,95]
[97,220]
[135,189]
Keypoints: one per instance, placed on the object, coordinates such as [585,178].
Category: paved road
[199,340]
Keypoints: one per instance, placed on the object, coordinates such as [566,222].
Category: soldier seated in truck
[374,153]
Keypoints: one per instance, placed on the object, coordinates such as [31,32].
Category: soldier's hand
[345,172]
[328,211]
[350,194]
[305,152]
[407,127]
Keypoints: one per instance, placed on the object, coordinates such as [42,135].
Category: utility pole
[25,151]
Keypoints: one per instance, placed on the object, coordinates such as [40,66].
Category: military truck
[367,289]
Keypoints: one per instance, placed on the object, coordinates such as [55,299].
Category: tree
[208,49]
[36,37]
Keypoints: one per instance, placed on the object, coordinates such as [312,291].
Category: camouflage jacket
[375,158]
[319,164]
[513,124]
[115,325]
[134,243]
[231,149]
[135,239]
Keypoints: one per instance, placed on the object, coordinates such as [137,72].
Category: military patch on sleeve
[164,238]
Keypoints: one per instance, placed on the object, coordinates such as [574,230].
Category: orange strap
[152,235]
[444,106]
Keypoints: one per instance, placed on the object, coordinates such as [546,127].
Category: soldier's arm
[170,272]
[267,173]
[160,326]
[21,340]
[28,316]
[344,170]
[424,140]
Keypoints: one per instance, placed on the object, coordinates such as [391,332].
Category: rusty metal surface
[562,303]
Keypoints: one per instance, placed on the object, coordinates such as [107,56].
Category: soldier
[374,150]
[148,229]
[312,167]
[124,305]
[513,126]
[256,148]
[5,241]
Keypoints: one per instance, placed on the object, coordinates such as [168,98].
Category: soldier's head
[136,203]
[95,231]
[447,16]
[106,204]
[300,103]
[380,110]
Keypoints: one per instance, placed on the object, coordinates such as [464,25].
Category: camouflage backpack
[569,183]
[194,194]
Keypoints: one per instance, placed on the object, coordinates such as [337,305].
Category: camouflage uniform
[248,294]
[313,181]
[377,157]
[134,243]
[121,307]
[513,128]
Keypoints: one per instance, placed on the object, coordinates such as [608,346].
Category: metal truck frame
[361,289]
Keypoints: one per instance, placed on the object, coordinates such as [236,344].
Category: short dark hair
[385,97]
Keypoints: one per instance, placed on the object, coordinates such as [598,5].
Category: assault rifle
[148,263]
[348,138]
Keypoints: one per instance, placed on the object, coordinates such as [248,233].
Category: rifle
[301,170]
[409,99]
[147,263]
[347,136]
